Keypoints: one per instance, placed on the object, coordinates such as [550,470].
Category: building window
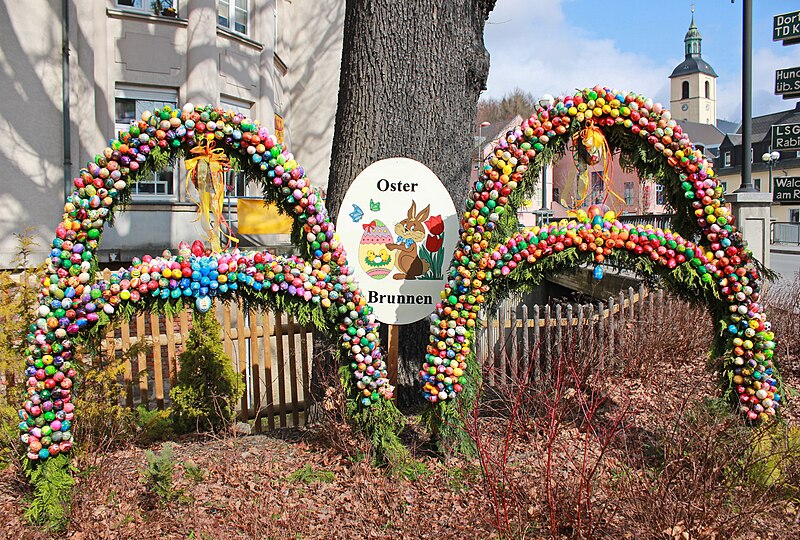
[794,215]
[724,187]
[138,5]
[129,104]
[235,182]
[757,183]
[660,197]
[556,195]
[685,90]
[726,159]
[708,90]
[597,188]
[234,15]
[628,193]
[164,7]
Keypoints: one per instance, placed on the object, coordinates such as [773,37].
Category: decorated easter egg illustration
[373,255]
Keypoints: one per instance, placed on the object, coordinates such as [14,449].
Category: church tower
[693,84]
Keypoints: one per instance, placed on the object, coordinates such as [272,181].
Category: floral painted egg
[375,258]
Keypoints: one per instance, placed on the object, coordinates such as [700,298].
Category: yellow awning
[256,217]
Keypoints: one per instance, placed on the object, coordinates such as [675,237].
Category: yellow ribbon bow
[206,172]
[596,149]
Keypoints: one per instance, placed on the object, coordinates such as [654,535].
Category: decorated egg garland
[319,287]
[719,261]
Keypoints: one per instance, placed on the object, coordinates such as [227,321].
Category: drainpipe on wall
[65,97]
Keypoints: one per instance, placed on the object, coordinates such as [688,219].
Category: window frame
[230,24]
[163,95]
[661,194]
[596,188]
[145,7]
[236,179]
[628,190]
[726,158]
[685,90]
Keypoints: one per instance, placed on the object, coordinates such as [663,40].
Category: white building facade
[76,72]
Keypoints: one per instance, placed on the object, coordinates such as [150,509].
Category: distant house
[729,165]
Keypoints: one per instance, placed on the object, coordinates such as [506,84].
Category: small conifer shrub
[205,397]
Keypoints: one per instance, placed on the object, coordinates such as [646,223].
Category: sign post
[786,137]
[787,83]
[786,190]
[399,225]
[786,28]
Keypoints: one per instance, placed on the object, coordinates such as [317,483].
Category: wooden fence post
[242,359]
[158,368]
[526,351]
[141,363]
[293,373]
[500,364]
[547,340]
[559,334]
[537,346]
[279,332]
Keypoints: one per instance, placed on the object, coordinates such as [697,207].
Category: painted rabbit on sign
[410,232]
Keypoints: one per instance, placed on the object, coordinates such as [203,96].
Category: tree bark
[411,76]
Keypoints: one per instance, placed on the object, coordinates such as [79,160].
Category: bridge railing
[662,221]
[784,232]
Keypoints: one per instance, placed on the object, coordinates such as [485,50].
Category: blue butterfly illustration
[356,214]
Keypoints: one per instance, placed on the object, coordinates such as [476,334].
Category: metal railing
[662,221]
[784,232]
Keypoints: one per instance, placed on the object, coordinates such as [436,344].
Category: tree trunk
[411,76]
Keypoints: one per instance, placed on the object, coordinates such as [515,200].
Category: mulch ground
[297,484]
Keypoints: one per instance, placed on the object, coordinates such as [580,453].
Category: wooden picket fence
[519,343]
[270,350]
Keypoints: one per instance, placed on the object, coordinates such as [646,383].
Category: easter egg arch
[708,261]
[316,287]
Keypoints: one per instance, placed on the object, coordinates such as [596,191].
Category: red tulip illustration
[435,226]
[432,250]
[433,243]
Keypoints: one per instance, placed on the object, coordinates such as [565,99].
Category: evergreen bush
[204,398]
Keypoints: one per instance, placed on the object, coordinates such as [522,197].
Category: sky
[558,46]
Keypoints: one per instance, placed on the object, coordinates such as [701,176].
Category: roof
[705,134]
[727,127]
[693,64]
[488,141]
[692,32]
[761,125]
[734,138]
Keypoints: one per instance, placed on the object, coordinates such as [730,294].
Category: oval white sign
[399,227]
